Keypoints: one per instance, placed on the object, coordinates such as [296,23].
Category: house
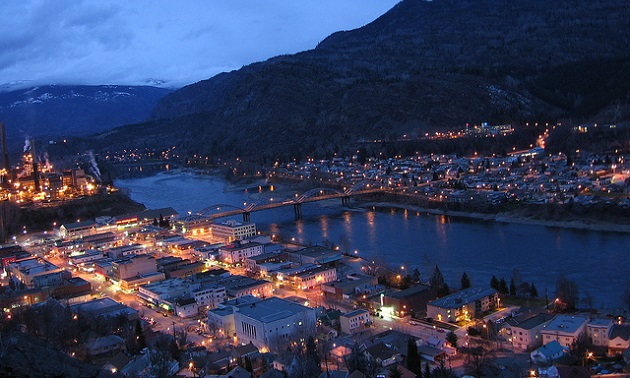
[105,344]
[618,339]
[382,354]
[549,352]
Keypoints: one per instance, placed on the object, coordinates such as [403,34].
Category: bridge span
[312,195]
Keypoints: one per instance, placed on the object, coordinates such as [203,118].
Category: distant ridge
[66,110]
[421,65]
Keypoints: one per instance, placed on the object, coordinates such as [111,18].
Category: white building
[597,331]
[232,230]
[565,329]
[354,321]
[463,305]
[525,334]
[35,272]
[273,324]
[239,252]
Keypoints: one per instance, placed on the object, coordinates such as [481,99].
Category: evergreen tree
[452,338]
[141,342]
[155,222]
[465,281]
[415,276]
[427,371]
[494,283]
[512,288]
[414,363]
[444,291]
[311,351]
[437,279]
[503,288]
[248,364]
[394,372]
[532,291]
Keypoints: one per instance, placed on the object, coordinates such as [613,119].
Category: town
[160,293]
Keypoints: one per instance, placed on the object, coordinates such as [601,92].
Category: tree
[140,340]
[427,371]
[437,279]
[414,363]
[494,283]
[567,293]
[503,288]
[313,360]
[512,287]
[478,359]
[415,275]
[452,339]
[441,371]
[465,281]
[394,372]
[579,347]
[533,292]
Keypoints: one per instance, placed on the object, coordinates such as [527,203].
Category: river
[596,261]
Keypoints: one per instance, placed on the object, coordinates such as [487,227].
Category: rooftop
[533,321]
[272,309]
[565,323]
[355,313]
[461,298]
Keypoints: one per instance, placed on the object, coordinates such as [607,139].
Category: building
[35,272]
[619,339]
[209,295]
[232,230]
[125,250]
[273,324]
[77,229]
[315,255]
[411,301]
[193,224]
[133,266]
[221,319]
[134,271]
[525,334]
[308,277]
[267,262]
[238,252]
[239,286]
[549,352]
[349,285]
[105,307]
[597,331]
[354,321]
[463,305]
[564,329]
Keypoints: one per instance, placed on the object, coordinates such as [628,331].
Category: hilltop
[422,65]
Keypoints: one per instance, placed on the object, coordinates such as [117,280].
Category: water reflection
[480,248]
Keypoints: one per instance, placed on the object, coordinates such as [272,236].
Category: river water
[596,261]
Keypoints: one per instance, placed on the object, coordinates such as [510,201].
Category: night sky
[173,42]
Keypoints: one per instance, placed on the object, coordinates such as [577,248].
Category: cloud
[130,42]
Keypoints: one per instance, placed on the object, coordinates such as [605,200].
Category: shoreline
[507,218]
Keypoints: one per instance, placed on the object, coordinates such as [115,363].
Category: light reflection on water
[597,261]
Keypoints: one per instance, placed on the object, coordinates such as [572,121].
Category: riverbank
[577,224]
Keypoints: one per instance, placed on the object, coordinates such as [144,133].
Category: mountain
[421,66]
[53,111]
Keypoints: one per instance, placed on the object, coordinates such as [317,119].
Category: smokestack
[35,167]
[5,153]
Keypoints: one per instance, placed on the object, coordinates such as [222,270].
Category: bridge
[312,195]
